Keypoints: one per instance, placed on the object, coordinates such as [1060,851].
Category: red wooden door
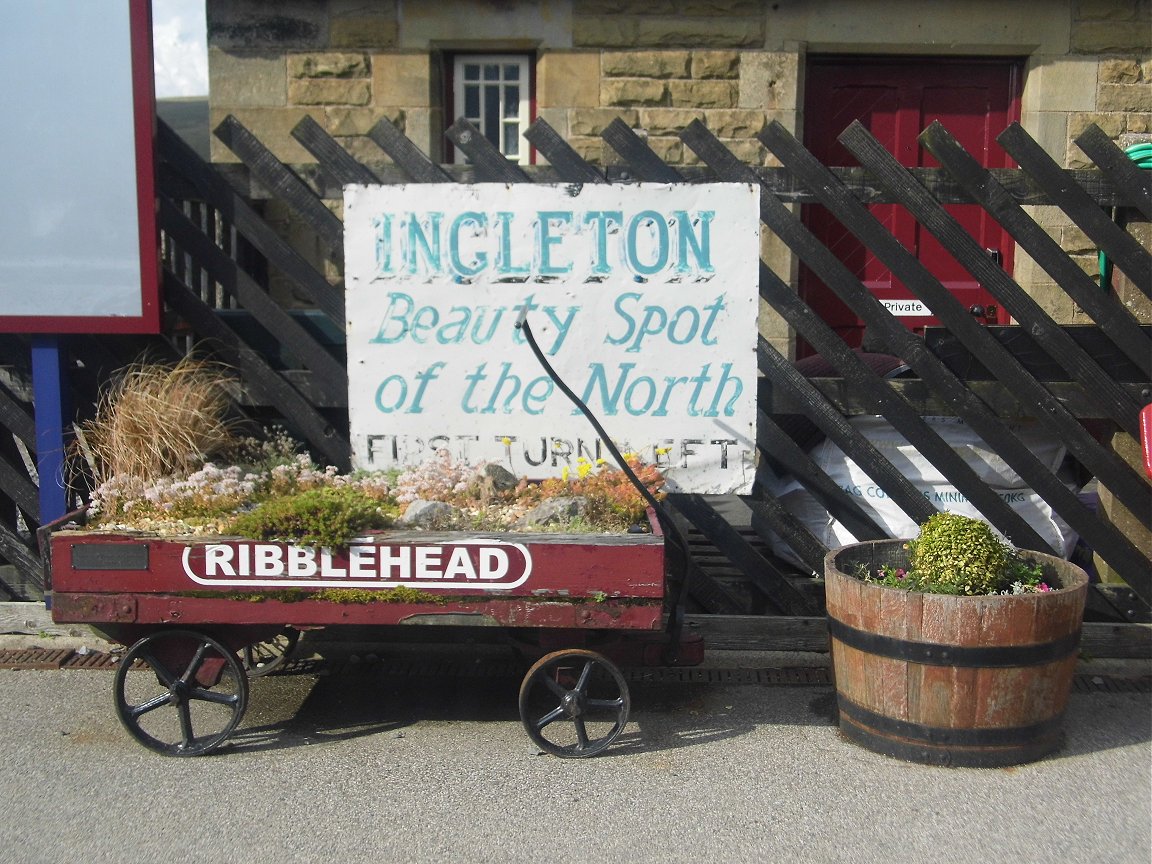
[896,98]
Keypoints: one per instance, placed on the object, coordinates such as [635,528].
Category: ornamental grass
[160,420]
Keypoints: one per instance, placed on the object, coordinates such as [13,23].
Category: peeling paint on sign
[644,297]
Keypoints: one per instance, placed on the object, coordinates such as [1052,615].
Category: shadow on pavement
[372,701]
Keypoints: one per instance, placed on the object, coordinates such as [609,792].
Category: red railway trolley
[202,614]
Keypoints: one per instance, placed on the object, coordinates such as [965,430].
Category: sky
[180,47]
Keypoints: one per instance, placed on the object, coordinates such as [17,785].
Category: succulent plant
[329,516]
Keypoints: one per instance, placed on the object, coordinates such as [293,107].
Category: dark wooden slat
[260,377]
[194,212]
[768,514]
[407,156]
[560,154]
[333,158]
[1109,542]
[1114,602]
[849,401]
[19,488]
[16,420]
[252,297]
[645,164]
[1018,185]
[250,225]
[1121,247]
[714,595]
[491,164]
[279,180]
[1109,314]
[754,566]
[1090,339]
[22,558]
[317,395]
[863,379]
[761,632]
[1106,465]
[787,458]
[701,586]
[100,358]
[1022,188]
[1133,184]
[1113,400]
[861,451]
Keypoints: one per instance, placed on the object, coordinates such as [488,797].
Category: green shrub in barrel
[953,648]
[960,555]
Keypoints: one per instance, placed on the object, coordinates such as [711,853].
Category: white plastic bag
[874,501]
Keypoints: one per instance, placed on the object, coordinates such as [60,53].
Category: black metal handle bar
[669,526]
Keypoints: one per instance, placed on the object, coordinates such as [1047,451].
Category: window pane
[491,124]
[512,102]
[511,139]
[491,92]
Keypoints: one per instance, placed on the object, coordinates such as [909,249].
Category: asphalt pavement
[355,763]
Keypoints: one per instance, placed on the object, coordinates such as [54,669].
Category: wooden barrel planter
[944,680]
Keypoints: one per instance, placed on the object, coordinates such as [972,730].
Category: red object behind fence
[1146,437]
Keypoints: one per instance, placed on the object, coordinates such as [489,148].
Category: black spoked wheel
[265,657]
[574,703]
[180,693]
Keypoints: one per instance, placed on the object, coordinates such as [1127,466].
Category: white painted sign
[643,298]
[906,308]
[78,242]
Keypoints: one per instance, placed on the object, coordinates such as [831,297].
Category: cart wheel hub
[573,703]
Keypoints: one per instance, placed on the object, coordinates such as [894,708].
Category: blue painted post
[49,394]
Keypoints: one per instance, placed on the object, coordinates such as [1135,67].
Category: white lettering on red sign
[487,564]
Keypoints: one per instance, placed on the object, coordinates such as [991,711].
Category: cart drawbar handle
[671,529]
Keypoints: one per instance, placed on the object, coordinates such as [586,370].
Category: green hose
[1141,154]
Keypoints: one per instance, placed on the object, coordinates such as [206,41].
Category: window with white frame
[493,93]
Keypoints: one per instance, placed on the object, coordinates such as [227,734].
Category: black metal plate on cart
[109,556]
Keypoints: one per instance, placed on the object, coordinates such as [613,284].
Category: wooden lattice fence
[1083,385]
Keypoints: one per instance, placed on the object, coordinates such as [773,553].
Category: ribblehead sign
[643,297]
[467,564]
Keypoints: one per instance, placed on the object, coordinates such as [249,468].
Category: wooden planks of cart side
[602,581]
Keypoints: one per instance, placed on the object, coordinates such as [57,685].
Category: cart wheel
[265,657]
[577,686]
[180,693]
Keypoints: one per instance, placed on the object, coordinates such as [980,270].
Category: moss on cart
[345,596]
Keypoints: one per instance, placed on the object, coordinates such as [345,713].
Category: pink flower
[1043,586]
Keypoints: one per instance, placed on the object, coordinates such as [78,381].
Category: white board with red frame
[78,238]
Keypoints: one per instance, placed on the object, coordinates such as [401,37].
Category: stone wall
[1103,75]
[658,64]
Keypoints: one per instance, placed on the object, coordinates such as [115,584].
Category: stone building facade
[659,64]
